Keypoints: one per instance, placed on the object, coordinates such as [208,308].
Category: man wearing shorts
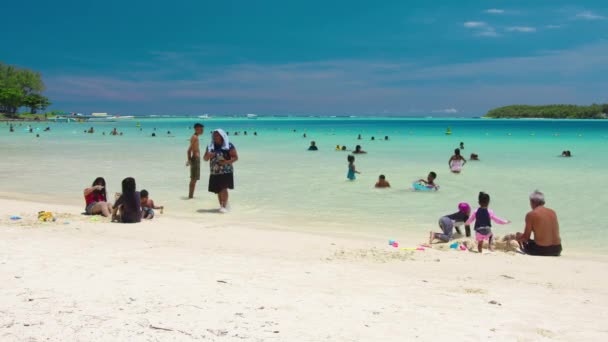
[543,223]
[194,158]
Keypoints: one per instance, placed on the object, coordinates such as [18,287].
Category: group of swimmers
[130,206]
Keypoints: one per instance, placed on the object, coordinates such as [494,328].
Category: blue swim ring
[422,187]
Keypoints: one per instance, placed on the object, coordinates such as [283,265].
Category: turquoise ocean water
[281,185]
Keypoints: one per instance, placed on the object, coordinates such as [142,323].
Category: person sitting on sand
[483,218]
[127,208]
[313,146]
[382,182]
[358,150]
[429,181]
[541,221]
[474,156]
[148,206]
[352,170]
[456,162]
[95,199]
[448,222]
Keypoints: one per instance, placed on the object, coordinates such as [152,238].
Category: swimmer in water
[382,182]
[386,137]
[352,170]
[358,150]
[474,156]
[461,145]
[359,137]
[429,181]
[456,162]
[313,146]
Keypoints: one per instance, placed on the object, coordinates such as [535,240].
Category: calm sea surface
[281,185]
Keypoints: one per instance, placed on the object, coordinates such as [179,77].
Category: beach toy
[15,218]
[94,218]
[454,245]
[45,216]
[395,244]
[391,242]
[463,248]
[422,187]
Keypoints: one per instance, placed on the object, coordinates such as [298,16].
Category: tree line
[20,87]
[561,111]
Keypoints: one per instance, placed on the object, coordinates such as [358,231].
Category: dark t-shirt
[131,212]
[458,217]
[313,148]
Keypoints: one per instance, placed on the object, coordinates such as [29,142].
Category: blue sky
[310,57]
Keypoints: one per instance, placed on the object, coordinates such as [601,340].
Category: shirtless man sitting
[543,223]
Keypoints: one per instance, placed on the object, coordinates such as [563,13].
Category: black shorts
[530,247]
[217,183]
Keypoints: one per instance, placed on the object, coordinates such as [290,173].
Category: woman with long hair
[95,198]
[127,208]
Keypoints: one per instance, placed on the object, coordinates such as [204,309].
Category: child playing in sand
[447,224]
[382,183]
[148,206]
[483,218]
[352,170]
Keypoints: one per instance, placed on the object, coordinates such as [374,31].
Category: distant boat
[252,116]
[204,116]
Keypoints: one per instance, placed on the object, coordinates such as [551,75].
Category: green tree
[21,87]
[36,102]
[10,100]
[561,111]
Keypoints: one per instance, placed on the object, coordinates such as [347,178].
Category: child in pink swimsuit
[483,218]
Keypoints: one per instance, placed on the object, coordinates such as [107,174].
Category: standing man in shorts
[194,158]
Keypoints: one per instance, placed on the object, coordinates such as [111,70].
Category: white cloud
[588,15]
[447,111]
[523,29]
[489,32]
[495,11]
[475,24]
[553,27]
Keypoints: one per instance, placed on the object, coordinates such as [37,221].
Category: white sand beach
[78,279]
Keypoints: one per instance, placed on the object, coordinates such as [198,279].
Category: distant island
[594,111]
